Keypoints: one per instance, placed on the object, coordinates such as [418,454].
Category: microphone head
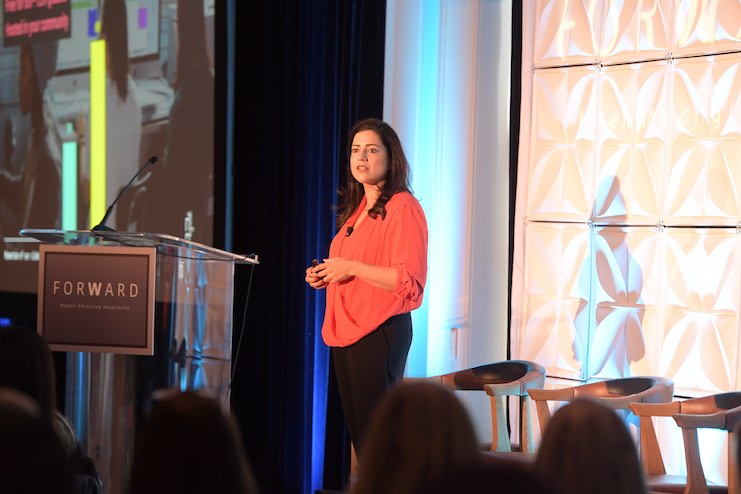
[102,227]
[153,160]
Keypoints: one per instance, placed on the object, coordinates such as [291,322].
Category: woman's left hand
[335,269]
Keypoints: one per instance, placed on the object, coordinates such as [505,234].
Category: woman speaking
[375,273]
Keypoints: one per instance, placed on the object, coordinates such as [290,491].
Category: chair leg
[500,434]
[653,462]
[544,414]
[734,483]
[526,426]
[696,483]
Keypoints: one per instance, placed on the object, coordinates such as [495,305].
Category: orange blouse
[356,308]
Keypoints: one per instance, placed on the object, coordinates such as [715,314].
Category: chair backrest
[617,394]
[475,378]
[498,379]
[721,411]
[721,402]
[641,388]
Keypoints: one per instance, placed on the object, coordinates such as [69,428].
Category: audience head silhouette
[189,445]
[418,430]
[587,448]
[26,365]
[32,460]
[496,475]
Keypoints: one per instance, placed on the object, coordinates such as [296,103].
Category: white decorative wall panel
[706,26]
[566,33]
[555,332]
[700,338]
[638,31]
[628,223]
[563,140]
[633,104]
[625,297]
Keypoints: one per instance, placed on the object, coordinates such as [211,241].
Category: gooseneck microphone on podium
[102,226]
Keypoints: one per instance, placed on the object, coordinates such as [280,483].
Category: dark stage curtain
[514,145]
[305,71]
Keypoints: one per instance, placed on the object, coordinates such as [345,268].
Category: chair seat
[675,484]
[505,372]
[516,459]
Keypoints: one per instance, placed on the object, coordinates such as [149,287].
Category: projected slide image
[83,110]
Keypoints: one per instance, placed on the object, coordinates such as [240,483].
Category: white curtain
[446,93]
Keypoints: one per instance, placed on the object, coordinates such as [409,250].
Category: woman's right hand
[313,279]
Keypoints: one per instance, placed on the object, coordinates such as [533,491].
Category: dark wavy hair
[397,179]
[189,444]
[579,451]
[115,32]
[416,433]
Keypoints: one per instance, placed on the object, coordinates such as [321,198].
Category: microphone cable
[241,330]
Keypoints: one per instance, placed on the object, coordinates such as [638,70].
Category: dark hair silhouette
[192,51]
[189,445]
[495,475]
[32,460]
[113,28]
[418,430]
[397,180]
[26,365]
[587,448]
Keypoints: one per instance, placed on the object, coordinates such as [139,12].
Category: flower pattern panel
[557,313]
[627,285]
[700,338]
[633,143]
[704,177]
[706,26]
[564,145]
[636,30]
[566,32]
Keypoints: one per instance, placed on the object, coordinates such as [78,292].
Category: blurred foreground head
[188,444]
[587,448]
[32,460]
[418,431]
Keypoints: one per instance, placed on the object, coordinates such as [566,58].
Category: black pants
[368,368]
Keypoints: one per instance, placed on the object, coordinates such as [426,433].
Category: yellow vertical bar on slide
[98,199]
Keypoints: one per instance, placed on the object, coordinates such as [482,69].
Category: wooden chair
[720,411]
[614,393]
[500,379]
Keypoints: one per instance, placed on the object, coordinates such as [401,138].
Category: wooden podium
[110,376]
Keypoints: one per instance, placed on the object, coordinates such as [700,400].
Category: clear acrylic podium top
[167,245]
